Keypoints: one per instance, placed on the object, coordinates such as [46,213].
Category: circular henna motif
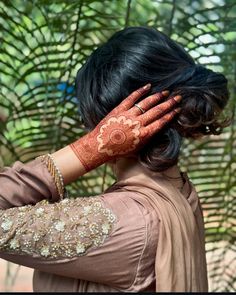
[118,136]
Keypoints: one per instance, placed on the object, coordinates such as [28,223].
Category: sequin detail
[67,228]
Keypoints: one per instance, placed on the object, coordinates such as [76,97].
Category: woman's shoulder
[128,203]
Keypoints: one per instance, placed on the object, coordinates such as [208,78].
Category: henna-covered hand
[126,128]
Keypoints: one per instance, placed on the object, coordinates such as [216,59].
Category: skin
[119,135]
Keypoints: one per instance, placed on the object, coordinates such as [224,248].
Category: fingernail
[147,86]
[178,98]
[165,92]
[177,110]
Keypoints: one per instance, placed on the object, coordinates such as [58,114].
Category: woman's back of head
[136,56]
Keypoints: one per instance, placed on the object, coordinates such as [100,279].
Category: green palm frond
[44,43]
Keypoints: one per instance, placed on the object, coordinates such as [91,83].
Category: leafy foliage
[44,43]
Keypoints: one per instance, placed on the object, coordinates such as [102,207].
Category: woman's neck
[125,167]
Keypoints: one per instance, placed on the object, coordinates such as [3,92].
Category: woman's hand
[126,128]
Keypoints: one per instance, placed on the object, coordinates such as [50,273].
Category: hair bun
[204,96]
[201,70]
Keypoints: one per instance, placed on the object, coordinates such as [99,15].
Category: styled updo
[136,56]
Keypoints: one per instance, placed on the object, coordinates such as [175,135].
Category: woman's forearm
[69,165]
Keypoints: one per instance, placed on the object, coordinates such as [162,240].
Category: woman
[146,231]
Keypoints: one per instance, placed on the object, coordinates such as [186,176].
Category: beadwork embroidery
[50,231]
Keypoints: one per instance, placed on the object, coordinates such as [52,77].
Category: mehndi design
[125,129]
[118,136]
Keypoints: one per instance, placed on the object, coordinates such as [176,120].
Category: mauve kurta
[104,243]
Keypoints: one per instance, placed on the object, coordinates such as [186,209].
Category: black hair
[136,56]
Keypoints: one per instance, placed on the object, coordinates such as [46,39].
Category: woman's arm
[31,182]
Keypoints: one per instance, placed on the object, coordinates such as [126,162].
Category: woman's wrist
[86,150]
[55,173]
[69,164]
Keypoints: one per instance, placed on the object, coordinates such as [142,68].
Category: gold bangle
[56,174]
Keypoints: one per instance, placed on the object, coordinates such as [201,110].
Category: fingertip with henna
[177,110]
[178,98]
[147,86]
[165,92]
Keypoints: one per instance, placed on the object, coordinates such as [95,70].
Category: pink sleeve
[24,184]
[100,238]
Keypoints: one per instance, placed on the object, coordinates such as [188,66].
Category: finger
[161,122]
[129,101]
[159,110]
[148,102]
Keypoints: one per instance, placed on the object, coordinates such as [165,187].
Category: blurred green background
[44,43]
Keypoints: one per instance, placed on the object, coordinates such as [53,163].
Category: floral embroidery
[113,135]
[105,228]
[50,231]
[87,209]
[39,211]
[6,225]
[60,225]
[36,237]
[81,234]
[80,248]
[14,244]
[94,228]
[45,251]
